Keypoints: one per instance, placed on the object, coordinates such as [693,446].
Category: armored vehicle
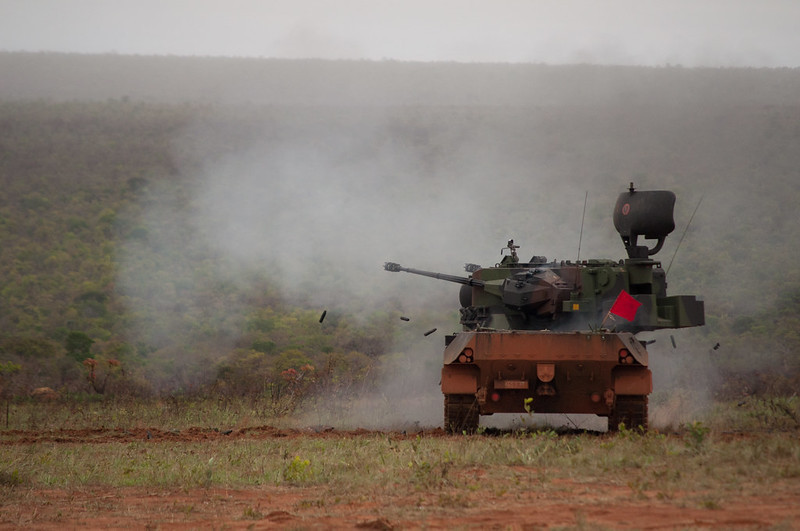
[560,336]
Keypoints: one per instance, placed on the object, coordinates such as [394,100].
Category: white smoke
[321,197]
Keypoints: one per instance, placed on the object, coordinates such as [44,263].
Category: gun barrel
[468,281]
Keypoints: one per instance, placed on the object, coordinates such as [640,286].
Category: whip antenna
[684,234]
[583,217]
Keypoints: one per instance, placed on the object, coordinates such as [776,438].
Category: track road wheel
[631,411]
[460,413]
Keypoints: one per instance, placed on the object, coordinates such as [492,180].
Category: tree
[78,345]
[6,370]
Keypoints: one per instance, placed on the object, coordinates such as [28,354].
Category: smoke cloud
[321,197]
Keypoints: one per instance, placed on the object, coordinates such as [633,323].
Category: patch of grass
[10,478]
[696,435]
[251,513]
[458,467]
[710,502]
[171,413]
[778,413]
[457,471]
[298,471]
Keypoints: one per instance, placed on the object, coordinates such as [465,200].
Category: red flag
[625,306]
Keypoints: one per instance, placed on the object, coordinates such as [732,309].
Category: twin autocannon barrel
[531,291]
[393,267]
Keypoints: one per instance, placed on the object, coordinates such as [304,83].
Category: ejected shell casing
[402,318]
[429,332]
[322,317]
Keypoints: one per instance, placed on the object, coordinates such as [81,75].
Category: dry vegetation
[231,471]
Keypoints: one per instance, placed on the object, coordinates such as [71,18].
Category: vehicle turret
[565,295]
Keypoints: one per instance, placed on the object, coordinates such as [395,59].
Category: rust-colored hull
[546,372]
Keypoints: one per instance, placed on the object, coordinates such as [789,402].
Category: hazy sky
[686,32]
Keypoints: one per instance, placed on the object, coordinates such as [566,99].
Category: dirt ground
[575,504]
[281,508]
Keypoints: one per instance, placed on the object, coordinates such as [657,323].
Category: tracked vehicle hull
[516,371]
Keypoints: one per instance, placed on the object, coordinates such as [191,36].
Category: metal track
[460,413]
[631,411]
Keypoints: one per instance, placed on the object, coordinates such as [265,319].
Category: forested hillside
[169,224]
[77,181]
